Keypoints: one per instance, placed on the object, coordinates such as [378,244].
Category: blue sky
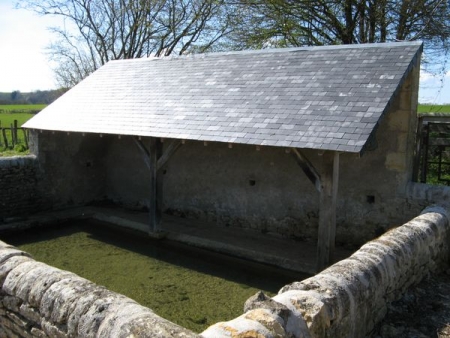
[24,65]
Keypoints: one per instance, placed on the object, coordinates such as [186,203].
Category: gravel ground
[424,311]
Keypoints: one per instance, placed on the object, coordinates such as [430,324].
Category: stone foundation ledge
[349,298]
[18,161]
[37,300]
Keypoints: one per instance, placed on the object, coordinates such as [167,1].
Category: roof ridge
[278,50]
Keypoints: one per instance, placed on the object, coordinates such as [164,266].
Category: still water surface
[192,287]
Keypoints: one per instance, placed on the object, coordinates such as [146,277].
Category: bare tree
[279,23]
[97,31]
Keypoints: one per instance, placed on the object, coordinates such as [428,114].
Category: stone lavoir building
[310,143]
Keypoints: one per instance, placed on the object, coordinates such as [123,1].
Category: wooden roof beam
[307,167]
[326,183]
[168,152]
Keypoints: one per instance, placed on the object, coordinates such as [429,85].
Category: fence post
[15,132]
[4,137]
[25,137]
[12,135]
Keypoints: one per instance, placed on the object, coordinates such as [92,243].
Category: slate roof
[328,98]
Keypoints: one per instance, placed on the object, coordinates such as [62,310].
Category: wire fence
[12,135]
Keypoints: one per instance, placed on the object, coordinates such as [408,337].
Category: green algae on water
[191,287]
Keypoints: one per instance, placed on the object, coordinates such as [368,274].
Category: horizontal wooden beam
[307,168]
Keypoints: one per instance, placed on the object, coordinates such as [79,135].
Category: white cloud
[434,89]
[425,76]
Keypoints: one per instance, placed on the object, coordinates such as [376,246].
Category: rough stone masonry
[38,300]
[349,298]
[345,300]
[18,186]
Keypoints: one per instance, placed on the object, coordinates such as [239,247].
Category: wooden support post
[155,186]
[327,209]
[155,159]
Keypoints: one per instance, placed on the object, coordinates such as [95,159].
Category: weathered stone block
[15,259]
[30,313]
[41,285]
[16,275]
[11,303]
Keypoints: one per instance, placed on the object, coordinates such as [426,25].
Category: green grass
[7,119]
[429,108]
[17,151]
[191,287]
[27,107]
[8,113]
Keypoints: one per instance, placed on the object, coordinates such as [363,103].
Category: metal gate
[433,165]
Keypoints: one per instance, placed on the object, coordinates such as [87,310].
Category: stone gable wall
[19,194]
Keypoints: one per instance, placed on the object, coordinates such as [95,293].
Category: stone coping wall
[37,300]
[346,300]
[349,298]
[18,187]
[420,195]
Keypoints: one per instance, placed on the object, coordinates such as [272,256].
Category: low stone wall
[18,187]
[420,195]
[346,300]
[37,300]
[349,298]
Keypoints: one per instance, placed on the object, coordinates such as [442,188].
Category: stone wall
[264,189]
[346,300]
[71,167]
[349,298]
[18,187]
[37,300]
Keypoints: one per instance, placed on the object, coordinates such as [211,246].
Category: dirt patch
[424,311]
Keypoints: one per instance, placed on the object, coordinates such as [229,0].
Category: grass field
[429,108]
[27,107]
[7,119]
[9,113]
[21,113]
